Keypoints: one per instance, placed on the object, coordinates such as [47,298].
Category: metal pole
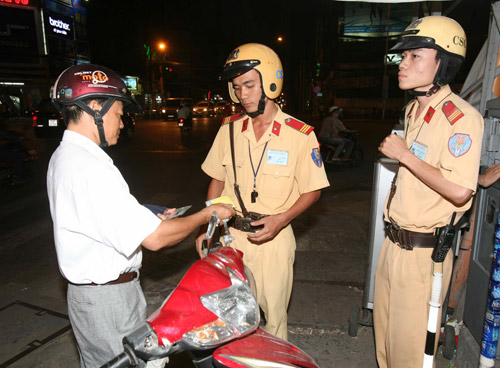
[434,305]
[385,84]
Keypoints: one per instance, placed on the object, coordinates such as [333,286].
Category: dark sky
[201,33]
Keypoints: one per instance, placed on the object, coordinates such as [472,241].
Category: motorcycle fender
[261,349]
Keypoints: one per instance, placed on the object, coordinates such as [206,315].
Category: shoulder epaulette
[299,125]
[453,113]
[229,119]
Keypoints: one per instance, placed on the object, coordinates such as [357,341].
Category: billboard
[131,83]
[370,20]
[58,25]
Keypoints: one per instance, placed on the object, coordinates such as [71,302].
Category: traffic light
[168,69]
[148,52]
[318,70]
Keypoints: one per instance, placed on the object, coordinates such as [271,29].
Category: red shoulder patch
[229,119]
[452,113]
[244,126]
[276,128]
[299,125]
[429,114]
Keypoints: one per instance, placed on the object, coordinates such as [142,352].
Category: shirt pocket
[277,181]
[227,162]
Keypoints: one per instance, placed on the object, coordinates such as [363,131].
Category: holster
[243,223]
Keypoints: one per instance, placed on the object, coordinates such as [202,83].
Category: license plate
[181,124]
[52,122]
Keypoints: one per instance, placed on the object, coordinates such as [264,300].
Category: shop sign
[58,25]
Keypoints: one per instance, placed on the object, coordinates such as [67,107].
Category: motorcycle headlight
[251,281]
[238,313]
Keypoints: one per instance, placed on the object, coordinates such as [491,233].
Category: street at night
[162,166]
[150,64]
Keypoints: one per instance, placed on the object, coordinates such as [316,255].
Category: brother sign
[59,26]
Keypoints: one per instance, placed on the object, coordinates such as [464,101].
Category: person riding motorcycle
[99,226]
[184,113]
[331,130]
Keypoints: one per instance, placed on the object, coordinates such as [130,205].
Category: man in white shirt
[98,225]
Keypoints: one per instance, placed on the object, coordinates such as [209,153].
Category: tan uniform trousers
[271,264]
[403,283]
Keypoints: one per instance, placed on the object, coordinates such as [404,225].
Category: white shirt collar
[87,144]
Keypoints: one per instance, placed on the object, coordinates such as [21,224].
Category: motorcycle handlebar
[120,361]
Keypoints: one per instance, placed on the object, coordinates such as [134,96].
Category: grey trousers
[101,316]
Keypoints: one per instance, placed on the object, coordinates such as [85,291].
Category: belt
[122,279]
[407,239]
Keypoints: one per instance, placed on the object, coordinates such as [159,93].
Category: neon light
[16,2]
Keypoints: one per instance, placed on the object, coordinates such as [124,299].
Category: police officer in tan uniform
[279,174]
[439,164]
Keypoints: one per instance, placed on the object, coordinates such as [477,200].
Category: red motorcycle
[214,316]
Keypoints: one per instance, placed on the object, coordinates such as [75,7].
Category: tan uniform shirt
[447,135]
[290,166]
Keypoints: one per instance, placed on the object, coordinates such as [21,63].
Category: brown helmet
[80,82]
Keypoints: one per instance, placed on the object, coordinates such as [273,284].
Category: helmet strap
[98,118]
[434,89]
[260,109]
[262,102]
[436,84]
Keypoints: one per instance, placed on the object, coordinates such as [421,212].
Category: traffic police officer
[279,174]
[439,163]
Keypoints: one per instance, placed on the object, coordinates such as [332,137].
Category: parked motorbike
[213,315]
[185,125]
[354,159]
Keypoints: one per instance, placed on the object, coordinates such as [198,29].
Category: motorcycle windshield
[183,310]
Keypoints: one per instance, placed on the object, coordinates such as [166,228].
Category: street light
[162,46]
[280,39]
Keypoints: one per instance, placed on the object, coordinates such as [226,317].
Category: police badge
[233,55]
[316,156]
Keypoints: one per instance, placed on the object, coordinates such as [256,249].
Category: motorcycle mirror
[212,225]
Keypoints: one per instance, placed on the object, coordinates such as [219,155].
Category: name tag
[419,150]
[275,157]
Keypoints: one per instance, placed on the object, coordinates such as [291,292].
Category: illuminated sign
[131,83]
[393,59]
[58,25]
[16,2]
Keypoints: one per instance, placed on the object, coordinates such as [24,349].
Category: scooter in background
[213,315]
[185,125]
[354,159]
